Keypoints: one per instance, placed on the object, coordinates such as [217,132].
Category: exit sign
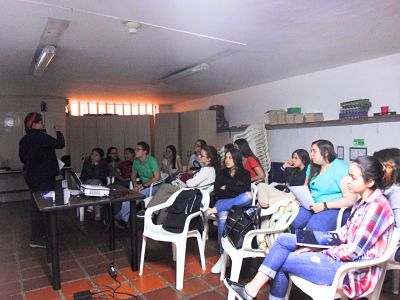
[358,142]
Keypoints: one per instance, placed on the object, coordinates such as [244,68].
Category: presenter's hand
[317,207]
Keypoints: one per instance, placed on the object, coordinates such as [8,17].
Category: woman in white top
[171,164]
[203,179]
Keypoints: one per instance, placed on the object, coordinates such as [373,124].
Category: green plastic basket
[294,110]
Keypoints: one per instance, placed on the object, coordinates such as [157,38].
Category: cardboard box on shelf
[313,117]
[294,118]
[275,117]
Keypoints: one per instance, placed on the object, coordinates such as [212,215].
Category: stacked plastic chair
[256,136]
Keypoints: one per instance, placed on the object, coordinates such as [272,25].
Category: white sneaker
[216,269]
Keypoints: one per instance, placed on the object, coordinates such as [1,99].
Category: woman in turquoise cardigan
[327,180]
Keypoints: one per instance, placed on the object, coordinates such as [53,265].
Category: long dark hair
[238,164]
[327,152]
[390,156]
[305,159]
[173,150]
[212,154]
[228,147]
[372,169]
[245,149]
[99,151]
[108,157]
[202,143]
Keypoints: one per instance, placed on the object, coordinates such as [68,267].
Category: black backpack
[186,203]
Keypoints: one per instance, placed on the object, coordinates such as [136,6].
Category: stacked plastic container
[355,109]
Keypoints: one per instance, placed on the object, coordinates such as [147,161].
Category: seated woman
[95,171]
[171,164]
[294,174]
[250,161]
[112,160]
[232,187]
[194,162]
[123,171]
[366,236]
[327,180]
[390,159]
[203,179]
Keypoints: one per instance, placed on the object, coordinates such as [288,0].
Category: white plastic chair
[335,291]
[237,255]
[340,217]
[254,191]
[395,266]
[178,240]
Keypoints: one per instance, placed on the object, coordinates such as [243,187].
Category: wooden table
[50,209]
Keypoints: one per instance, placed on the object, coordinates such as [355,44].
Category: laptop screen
[76,178]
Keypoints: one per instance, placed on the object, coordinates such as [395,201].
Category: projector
[95,190]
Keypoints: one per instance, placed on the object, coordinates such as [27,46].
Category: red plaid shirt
[365,236]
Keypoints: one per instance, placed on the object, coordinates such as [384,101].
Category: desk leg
[48,238]
[112,228]
[134,248]
[55,261]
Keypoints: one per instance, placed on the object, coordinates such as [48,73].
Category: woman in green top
[327,180]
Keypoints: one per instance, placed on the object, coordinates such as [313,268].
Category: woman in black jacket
[95,171]
[37,153]
[232,187]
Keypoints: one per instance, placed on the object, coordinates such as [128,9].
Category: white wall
[17,107]
[377,79]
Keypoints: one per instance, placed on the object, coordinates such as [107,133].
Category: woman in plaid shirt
[365,236]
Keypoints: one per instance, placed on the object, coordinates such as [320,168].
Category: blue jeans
[312,266]
[322,221]
[124,213]
[223,206]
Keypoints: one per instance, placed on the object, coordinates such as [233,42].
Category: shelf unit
[369,120]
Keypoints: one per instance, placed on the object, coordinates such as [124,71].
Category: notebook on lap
[317,239]
[302,193]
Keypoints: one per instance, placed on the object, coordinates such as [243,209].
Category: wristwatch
[325,206]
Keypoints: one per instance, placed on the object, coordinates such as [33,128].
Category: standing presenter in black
[37,153]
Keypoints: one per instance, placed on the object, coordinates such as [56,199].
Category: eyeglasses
[168,151]
[198,145]
[138,149]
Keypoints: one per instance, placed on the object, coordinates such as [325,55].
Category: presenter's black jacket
[37,153]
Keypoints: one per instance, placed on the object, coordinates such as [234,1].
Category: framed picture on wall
[355,152]
[340,152]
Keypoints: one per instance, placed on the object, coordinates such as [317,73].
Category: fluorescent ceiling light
[185,72]
[44,59]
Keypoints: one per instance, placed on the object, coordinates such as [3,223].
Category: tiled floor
[85,258]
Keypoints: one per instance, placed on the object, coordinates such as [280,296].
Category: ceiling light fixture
[185,72]
[132,26]
[44,59]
